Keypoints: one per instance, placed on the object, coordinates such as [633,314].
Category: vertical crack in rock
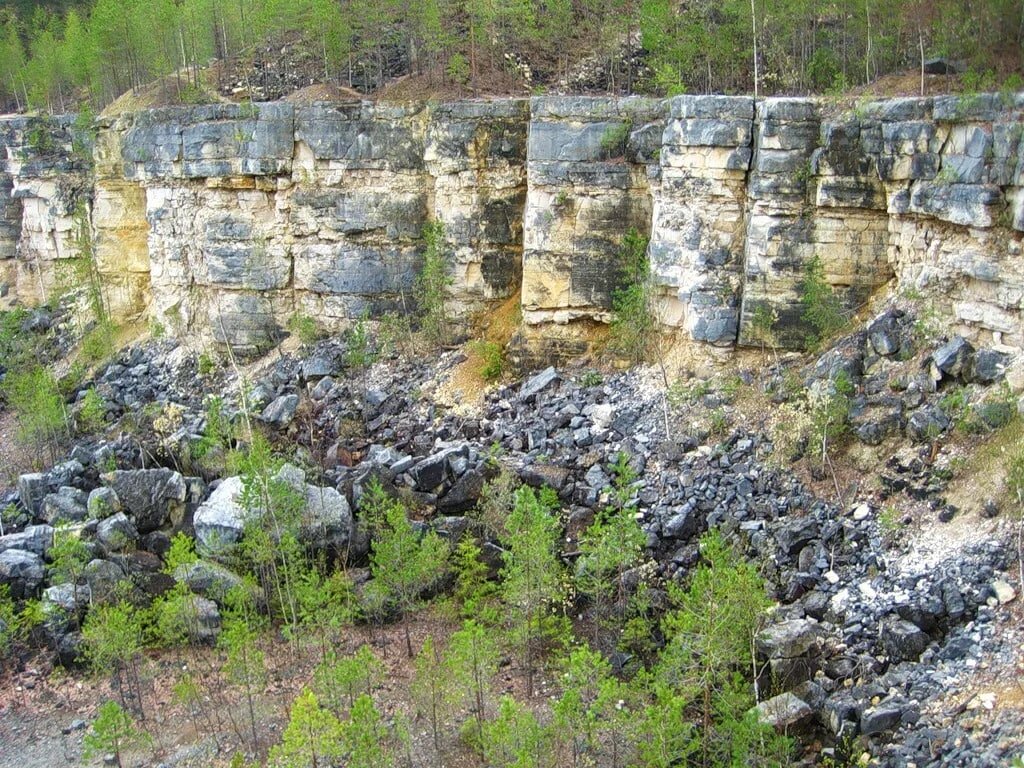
[226,219]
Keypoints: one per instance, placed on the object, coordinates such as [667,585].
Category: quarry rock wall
[225,220]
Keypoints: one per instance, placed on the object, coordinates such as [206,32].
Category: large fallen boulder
[22,572]
[208,579]
[220,520]
[153,498]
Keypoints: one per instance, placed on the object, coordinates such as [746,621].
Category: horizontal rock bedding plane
[225,220]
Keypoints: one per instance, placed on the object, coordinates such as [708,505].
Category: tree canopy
[55,54]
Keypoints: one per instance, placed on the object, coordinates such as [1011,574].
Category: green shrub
[99,343]
[830,414]
[34,397]
[493,359]
[823,311]
[615,139]
[15,344]
[1015,477]
[113,731]
[205,365]
[762,326]
[431,290]
[633,320]
[683,393]
[394,333]
[305,327]
[358,352]
[92,414]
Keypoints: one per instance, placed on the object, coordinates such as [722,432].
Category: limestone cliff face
[226,219]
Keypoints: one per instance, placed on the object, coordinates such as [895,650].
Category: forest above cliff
[59,55]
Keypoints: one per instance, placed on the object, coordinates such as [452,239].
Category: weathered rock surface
[22,572]
[219,520]
[231,218]
[151,497]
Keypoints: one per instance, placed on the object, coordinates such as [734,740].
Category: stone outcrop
[224,220]
[588,185]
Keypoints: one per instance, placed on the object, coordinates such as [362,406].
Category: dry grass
[434,87]
[164,92]
[323,92]
[984,468]
[465,386]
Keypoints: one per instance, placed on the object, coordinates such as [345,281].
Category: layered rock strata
[225,220]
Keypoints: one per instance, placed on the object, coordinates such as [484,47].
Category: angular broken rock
[116,533]
[903,640]
[22,572]
[788,639]
[218,522]
[151,497]
[538,383]
[952,359]
[208,579]
[36,539]
[280,412]
[783,711]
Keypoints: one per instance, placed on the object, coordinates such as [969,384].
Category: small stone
[538,383]
[1003,591]
[280,412]
[990,508]
[783,711]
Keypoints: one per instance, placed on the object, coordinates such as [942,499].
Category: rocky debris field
[873,634]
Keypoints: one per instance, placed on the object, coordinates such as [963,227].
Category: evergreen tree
[608,548]
[313,737]
[710,636]
[366,736]
[472,661]
[114,637]
[112,732]
[245,664]
[431,688]
[532,581]
[514,739]
[578,713]
[406,563]
[338,681]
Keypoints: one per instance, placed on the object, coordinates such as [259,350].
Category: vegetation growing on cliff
[52,52]
[634,323]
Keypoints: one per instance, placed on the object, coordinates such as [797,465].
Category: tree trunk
[753,26]
[867,53]
[920,48]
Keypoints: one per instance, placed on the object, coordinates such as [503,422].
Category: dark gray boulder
[22,572]
[36,539]
[67,505]
[152,498]
[903,640]
[208,579]
[953,359]
[281,411]
[116,533]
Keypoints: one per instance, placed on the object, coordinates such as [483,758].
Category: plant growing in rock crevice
[822,310]
[431,288]
[634,322]
[614,140]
